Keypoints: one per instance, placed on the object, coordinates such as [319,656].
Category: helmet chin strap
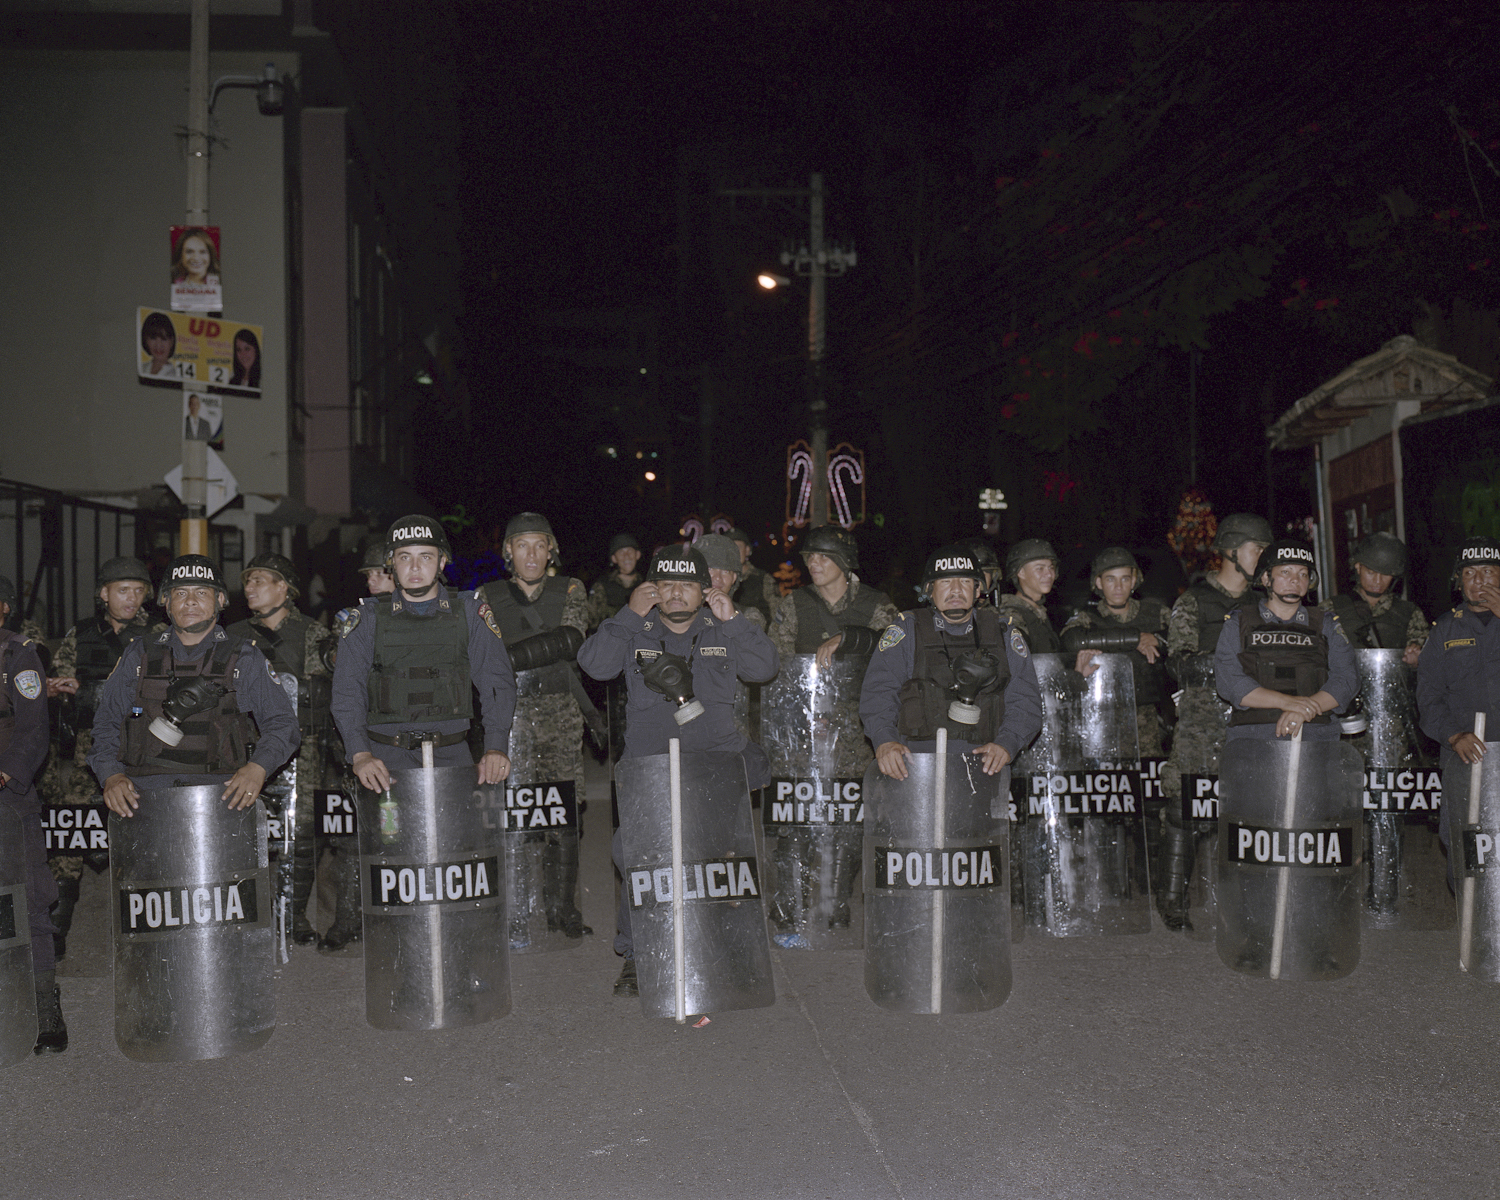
[423,594]
[963,614]
[682,618]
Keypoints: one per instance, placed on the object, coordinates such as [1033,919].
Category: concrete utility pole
[193,535]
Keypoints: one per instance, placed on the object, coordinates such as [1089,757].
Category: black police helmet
[122,570]
[1381,552]
[1029,550]
[952,562]
[679,562]
[278,565]
[416,530]
[192,570]
[622,541]
[835,542]
[1476,552]
[1291,551]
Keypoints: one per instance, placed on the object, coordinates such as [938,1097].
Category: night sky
[1052,204]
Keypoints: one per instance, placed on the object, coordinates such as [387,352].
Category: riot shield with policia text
[191,899]
[1405,872]
[812,811]
[937,886]
[436,950]
[1472,793]
[279,795]
[692,882]
[1084,836]
[18,1024]
[1188,876]
[1289,858]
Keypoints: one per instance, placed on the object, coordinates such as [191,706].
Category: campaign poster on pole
[196,275]
[203,419]
[176,347]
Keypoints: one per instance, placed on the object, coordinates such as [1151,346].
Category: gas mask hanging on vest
[672,676]
[184,698]
[973,671]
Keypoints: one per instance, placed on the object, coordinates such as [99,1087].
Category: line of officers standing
[417,663]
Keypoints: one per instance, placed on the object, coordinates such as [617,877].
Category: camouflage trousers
[1198,740]
[80,788]
[1148,730]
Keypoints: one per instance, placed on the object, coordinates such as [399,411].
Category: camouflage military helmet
[1288,551]
[719,552]
[277,565]
[122,570]
[375,555]
[1237,529]
[7,591]
[952,562]
[739,535]
[835,542]
[191,570]
[530,522]
[1111,558]
[1476,552]
[679,562]
[622,541]
[1029,550]
[1381,552]
[416,530]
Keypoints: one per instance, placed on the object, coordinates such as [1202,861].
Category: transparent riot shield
[194,968]
[18,1028]
[693,884]
[1084,836]
[937,887]
[280,798]
[1405,883]
[812,812]
[1472,794]
[436,950]
[1189,868]
[1289,858]
[1010,806]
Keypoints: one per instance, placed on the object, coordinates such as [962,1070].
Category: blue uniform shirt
[1458,675]
[1234,684]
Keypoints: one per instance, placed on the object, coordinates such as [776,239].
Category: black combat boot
[1177,865]
[626,984]
[560,885]
[846,862]
[303,872]
[62,913]
[348,925]
[51,1029]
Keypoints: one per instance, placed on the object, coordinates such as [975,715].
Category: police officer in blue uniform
[1283,665]
[926,657]
[666,617]
[1458,673]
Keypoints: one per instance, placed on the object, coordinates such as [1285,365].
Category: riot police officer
[409,662]
[378,581]
[84,660]
[757,589]
[1373,615]
[612,592]
[544,619]
[1282,665]
[1193,629]
[298,646]
[24,731]
[1031,566]
[662,640]
[1123,624]
[926,660]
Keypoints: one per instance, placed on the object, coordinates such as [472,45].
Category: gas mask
[974,671]
[671,675]
[184,698]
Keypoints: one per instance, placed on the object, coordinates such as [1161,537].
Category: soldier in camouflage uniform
[612,593]
[296,645]
[378,577]
[1121,624]
[989,563]
[756,589]
[722,554]
[834,616]
[84,659]
[1373,616]
[1193,630]
[543,619]
[1031,566]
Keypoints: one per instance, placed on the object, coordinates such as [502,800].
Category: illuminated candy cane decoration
[845,461]
[720,524]
[799,464]
[692,529]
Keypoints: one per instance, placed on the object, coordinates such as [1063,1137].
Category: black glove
[544,649]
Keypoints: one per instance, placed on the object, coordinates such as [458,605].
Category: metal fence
[51,545]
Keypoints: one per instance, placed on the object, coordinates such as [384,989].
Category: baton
[939,822]
[674,776]
[435,914]
[1284,875]
[1466,927]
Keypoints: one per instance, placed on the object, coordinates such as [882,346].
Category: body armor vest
[1283,656]
[1149,678]
[926,695]
[816,623]
[420,670]
[1213,607]
[616,593]
[750,593]
[9,642]
[215,741]
[285,649]
[1040,637]
[98,648]
[1365,629]
[520,619]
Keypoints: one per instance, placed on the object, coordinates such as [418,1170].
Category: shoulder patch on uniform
[29,684]
[345,622]
[489,618]
[892,635]
[1018,643]
[574,585]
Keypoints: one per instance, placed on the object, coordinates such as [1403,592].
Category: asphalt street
[1131,1066]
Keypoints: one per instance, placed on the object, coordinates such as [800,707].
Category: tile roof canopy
[1402,369]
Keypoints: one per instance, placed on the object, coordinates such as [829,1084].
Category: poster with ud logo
[174,347]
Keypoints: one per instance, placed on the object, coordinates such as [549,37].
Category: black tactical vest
[616,593]
[1283,656]
[926,695]
[9,642]
[816,623]
[420,671]
[98,649]
[750,593]
[1040,637]
[1367,631]
[285,649]
[1213,607]
[1149,678]
[520,618]
[216,741]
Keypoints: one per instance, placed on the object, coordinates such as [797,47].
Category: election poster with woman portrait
[173,347]
[196,277]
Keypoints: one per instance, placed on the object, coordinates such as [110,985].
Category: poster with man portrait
[196,276]
[177,348]
[203,418]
